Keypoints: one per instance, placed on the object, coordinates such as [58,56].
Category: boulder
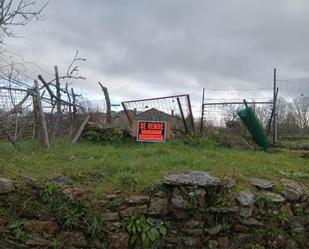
[262,183]
[6,186]
[194,178]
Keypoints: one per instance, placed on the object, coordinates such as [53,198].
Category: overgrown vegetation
[133,167]
[145,232]
[48,199]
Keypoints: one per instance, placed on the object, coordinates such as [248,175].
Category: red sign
[151,131]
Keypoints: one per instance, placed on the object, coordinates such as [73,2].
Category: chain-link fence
[293,107]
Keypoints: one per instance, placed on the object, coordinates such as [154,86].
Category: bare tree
[19,13]
[301,106]
[15,13]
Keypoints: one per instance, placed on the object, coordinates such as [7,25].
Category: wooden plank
[80,130]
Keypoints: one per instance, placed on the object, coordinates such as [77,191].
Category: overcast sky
[149,48]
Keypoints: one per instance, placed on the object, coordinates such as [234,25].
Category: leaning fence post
[41,113]
[58,101]
[182,115]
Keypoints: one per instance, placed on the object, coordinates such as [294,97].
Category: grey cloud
[173,45]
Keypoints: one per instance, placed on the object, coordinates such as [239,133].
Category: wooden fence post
[41,114]
[108,105]
[58,101]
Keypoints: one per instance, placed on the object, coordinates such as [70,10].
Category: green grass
[132,168]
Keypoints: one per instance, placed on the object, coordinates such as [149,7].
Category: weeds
[17,228]
[145,232]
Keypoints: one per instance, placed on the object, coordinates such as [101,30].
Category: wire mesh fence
[293,107]
[220,107]
[16,114]
[64,112]
[176,108]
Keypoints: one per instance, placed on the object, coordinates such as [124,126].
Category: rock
[180,214]
[111,197]
[6,186]
[214,230]
[128,212]
[200,194]
[160,194]
[300,208]
[245,198]
[194,178]
[229,183]
[246,212]
[37,226]
[251,222]
[292,190]
[262,183]
[287,210]
[179,201]
[239,241]
[297,228]
[291,244]
[113,226]
[111,216]
[238,228]
[37,241]
[223,242]
[137,200]
[97,244]
[276,198]
[73,239]
[212,244]
[158,206]
[61,180]
[194,224]
[189,242]
[118,240]
[224,209]
[171,240]
[77,193]
[193,232]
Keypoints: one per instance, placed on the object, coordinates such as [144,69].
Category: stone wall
[198,211]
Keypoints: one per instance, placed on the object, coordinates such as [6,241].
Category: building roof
[153,114]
